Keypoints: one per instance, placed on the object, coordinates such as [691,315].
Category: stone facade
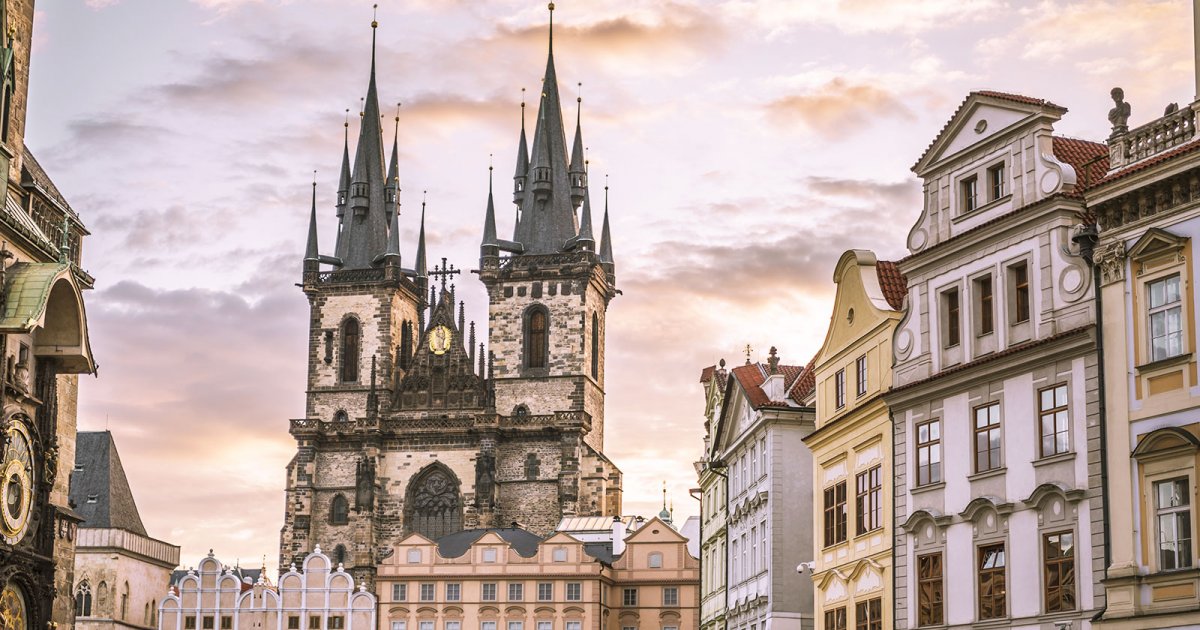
[713,506]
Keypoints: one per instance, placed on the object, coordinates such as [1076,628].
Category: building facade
[1146,200]
[852,448]
[995,391]
[511,579]
[713,506]
[411,426]
[121,572]
[320,596]
[766,413]
[44,347]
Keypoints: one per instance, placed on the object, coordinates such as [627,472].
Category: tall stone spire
[578,170]
[489,220]
[392,189]
[312,255]
[606,253]
[586,241]
[343,193]
[521,177]
[366,225]
[422,267]
[547,212]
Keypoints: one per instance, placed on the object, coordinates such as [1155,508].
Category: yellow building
[510,579]
[852,448]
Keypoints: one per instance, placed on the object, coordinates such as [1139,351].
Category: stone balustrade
[1152,138]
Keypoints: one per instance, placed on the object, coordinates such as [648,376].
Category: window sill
[1054,459]
[988,474]
[929,487]
[968,214]
[1178,359]
[870,532]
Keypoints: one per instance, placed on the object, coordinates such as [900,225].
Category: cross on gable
[444,271]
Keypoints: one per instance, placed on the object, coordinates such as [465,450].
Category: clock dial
[16,485]
[439,340]
[12,609]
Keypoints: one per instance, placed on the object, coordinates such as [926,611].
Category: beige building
[852,448]
[510,579]
[120,571]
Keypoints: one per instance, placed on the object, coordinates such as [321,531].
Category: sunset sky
[747,143]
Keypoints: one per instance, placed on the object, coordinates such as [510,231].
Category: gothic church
[410,426]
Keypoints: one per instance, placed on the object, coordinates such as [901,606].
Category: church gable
[442,372]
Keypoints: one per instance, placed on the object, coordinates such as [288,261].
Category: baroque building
[411,426]
[121,572]
[766,411]
[852,447]
[713,507]
[995,391]
[44,346]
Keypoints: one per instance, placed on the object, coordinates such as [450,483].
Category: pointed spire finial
[362,104]
[375,16]
[551,7]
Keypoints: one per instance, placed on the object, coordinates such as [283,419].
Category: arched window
[125,601]
[340,416]
[434,505]
[406,345]
[339,511]
[83,599]
[102,599]
[595,345]
[532,466]
[339,554]
[350,347]
[537,337]
[146,614]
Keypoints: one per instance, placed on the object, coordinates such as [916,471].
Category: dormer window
[997,181]
[970,194]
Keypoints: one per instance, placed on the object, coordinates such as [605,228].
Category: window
[515,625]
[545,591]
[1052,409]
[314,622]
[207,623]
[762,448]
[869,500]
[654,560]
[414,556]
[733,558]
[294,623]
[227,622]
[489,555]
[970,194]
[993,594]
[595,345]
[427,592]
[516,591]
[839,388]
[336,622]
[1166,318]
[452,625]
[997,181]
[574,591]
[537,340]
[339,554]
[835,514]
[1173,512]
[670,596]
[488,593]
[950,303]
[868,615]
[189,623]
[545,625]
[929,452]
[560,554]
[487,625]
[83,599]
[754,550]
[339,510]
[399,625]
[399,592]
[985,305]
[929,590]
[1058,557]
[453,592]
[350,348]
[1019,276]
[532,466]
[629,597]
[424,625]
[860,375]
[762,532]
[987,437]
[574,625]
[753,462]
[835,619]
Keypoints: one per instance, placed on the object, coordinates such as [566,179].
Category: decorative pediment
[1157,247]
[833,584]
[1053,489]
[915,519]
[982,505]
[983,115]
[1166,442]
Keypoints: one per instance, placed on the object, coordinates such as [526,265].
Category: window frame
[400,591]
[1159,512]
[1020,284]
[993,575]
[868,500]
[485,588]
[860,376]
[834,502]
[1053,413]
[835,618]
[932,445]
[985,304]
[968,190]
[349,370]
[868,614]
[427,592]
[950,300]
[936,592]
[577,587]
[670,596]
[1164,310]
[997,180]
[453,591]
[536,343]
[1055,599]
[991,458]
[629,596]
[516,591]
[839,388]
[339,516]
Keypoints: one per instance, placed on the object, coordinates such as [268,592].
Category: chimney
[618,536]
[773,386]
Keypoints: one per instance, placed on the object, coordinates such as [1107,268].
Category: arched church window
[434,505]
[521,411]
[339,510]
[125,601]
[83,599]
[101,599]
[341,416]
[595,345]
[339,554]
[350,350]
[406,344]
[532,466]
[537,337]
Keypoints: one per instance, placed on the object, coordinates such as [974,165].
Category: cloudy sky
[748,143]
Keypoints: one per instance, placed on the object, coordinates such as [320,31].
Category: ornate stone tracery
[434,507]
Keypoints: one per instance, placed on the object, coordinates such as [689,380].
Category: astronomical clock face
[16,488]
[439,340]
[13,615]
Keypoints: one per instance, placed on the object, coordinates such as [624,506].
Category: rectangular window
[868,615]
[839,388]
[985,305]
[733,558]
[189,623]
[835,619]
[860,375]
[545,625]
[754,550]
[1173,512]
[762,447]
[1166,318]
[227,622]
[314,622]
[970,194]
[762,532]
[399,625]
[545,591]
[1058,556]
[453,592]
[1019,274]
[452,625]
[753,462]
[516,591]
[869,500]
[987,437]
[993,591]
[294,623]
[336,622]
[424,625]
[399,592]
[488,592]
[629,597]
[952,309]
[929,590]
[997,181]
[427,593]
[487,625]
[516,625]
[670,596]
[835,514]
[208,623]
[1054,421]
[574,625]
[489,555]
[574,591]
[929,452]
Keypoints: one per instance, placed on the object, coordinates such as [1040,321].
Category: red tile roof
[893,283]
[1148,162]
[1089,159]
[805,384]
[707,374]
[752,376]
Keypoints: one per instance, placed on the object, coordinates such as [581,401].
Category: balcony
[1155,137]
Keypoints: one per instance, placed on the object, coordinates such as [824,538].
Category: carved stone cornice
[1111,259]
